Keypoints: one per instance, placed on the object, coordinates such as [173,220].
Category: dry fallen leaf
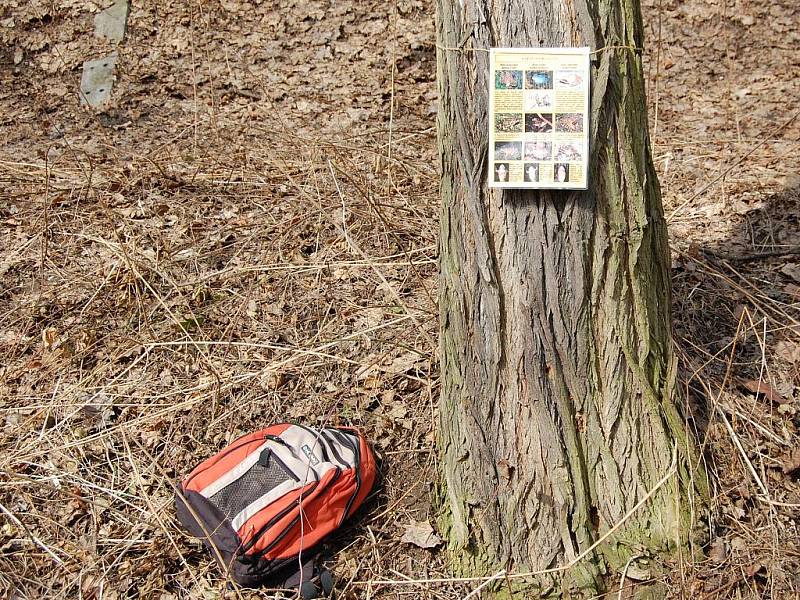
[638,573]
[788,351]
[49,337]
[717,552]
[738,543]
[791,465]
[791,270]
[752,570]
[762,387]
[404,363]
[421,533]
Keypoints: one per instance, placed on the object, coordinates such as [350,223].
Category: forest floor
[247,234]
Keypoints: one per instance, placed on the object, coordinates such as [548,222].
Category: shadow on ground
[736,308]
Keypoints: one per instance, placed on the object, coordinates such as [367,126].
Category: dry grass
[249,235]
[161,329]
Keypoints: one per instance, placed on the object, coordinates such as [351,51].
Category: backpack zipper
[318,437]
[356,448]
[272,522]
[282,514]
[282,442]
[296,520]
[270,456]
[332,445]
[221,456]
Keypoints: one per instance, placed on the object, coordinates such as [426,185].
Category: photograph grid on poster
[539,118]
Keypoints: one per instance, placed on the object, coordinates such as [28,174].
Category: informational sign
[539,118]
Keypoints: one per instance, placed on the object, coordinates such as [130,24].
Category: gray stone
[97,80]
[112,22]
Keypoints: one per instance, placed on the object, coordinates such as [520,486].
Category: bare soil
[247,234]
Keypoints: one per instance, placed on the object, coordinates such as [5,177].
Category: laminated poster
[539,118]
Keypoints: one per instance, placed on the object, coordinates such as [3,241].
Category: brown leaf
[421,534]
[791,270]
[49,337]
[752,570]
[788,351]
[717,552]
[404,363]
[791,465]
[762,387]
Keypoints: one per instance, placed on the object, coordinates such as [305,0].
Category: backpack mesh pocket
[254,483]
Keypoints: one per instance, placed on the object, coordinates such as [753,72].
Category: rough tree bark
[557,411]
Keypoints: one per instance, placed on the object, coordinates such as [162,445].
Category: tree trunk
[557,412]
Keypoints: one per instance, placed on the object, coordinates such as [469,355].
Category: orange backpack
[263,503]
